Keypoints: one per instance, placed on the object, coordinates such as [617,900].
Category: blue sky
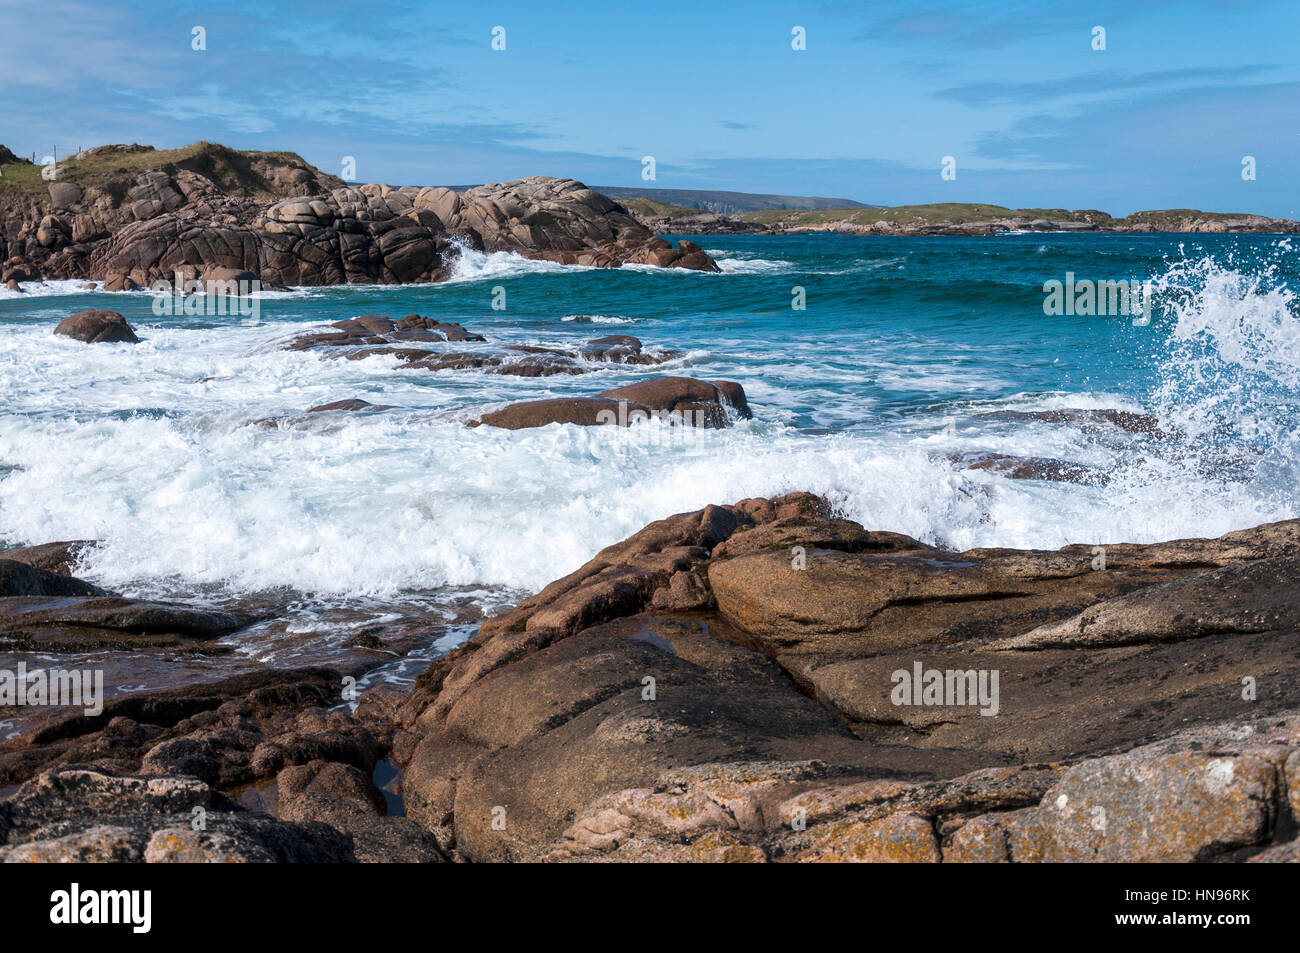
[414,91]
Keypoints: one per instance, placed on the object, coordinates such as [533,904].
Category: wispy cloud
[1098,82]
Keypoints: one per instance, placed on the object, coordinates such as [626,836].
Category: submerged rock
[1089,421]
[1031,468]
[373,335]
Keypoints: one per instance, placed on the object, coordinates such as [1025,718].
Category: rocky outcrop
[768,682]
[48,610]
[936,220]
[208,212]
[259,767]
[683,401]
[97,327]
[1031,468]
[408,341]
[763,681]
[85,816]
[60,557]
[362,334]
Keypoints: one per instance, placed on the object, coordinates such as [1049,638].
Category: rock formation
[207,212]
[97,327]
[762,681]
[724,686]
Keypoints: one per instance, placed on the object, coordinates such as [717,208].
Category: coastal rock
[74,623]
[352,405]
[681,400]
[1031,468]
[97,327]
[1259,596]
[1089,421]
[86,816]
[231,215]
[369,330]
[57,557]
[348,800]
[406,341]
[19,578]
[724,685]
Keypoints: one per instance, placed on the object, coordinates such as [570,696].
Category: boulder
[97,327]
[681,400]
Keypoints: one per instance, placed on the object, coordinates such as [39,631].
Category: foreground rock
[736,683]
[265,764]
[84,816]
[681,400]
[211,212]
[98,327]
[59,557]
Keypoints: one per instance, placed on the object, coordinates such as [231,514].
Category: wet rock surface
[186,775]
[50,610]
[407,341]
[680,400]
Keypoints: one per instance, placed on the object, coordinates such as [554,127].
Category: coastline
[698,693]
[758,679]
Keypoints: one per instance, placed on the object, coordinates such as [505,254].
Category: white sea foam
[471,265]
[752,266]
[597,319]
[151,449]
[53,288]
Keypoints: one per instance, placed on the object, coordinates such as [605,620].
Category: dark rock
[1089,421]
[97,327]
[682,400]
[352,405]
[85,816]
[1031,468]
[73,623]
[23,579]
[348,800]
[53,557]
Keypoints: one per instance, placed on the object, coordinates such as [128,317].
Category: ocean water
[908,353]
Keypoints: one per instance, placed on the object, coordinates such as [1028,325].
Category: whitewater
[910,353]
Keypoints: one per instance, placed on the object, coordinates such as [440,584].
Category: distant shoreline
[950,219]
